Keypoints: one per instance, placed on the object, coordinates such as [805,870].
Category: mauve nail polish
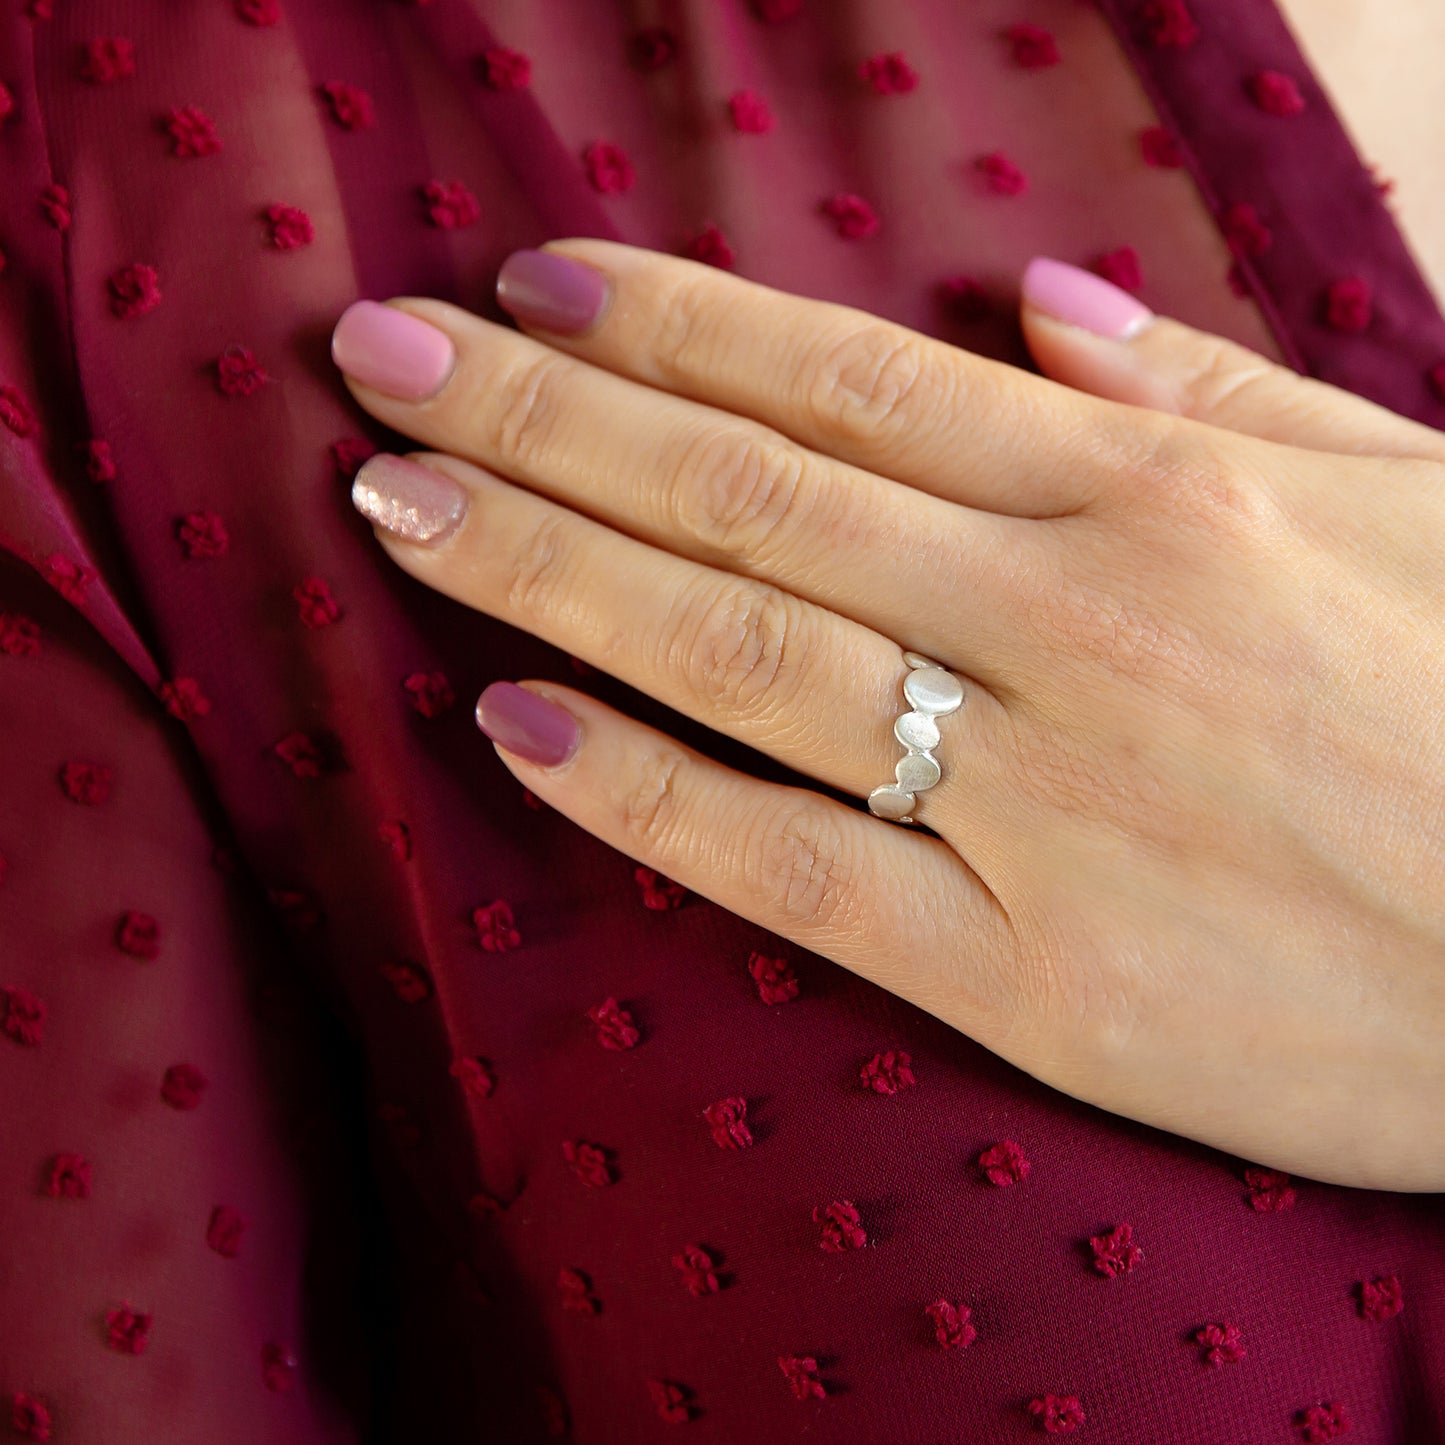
[527,724]
[413,502]
[393,351]
[552,292]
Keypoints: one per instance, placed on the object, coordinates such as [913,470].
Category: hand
[1189,862]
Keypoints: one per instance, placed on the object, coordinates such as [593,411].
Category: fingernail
[392,351]
[527,724]
[551,291]
[413,502]
[1083,299]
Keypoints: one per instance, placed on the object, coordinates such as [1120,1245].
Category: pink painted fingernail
[527,724]
[1081,298]
[553,292]
[413,502]
[392,351]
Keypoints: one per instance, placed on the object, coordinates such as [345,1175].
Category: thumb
[1091,335]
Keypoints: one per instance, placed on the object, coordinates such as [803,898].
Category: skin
[1189,862]
[1392,110]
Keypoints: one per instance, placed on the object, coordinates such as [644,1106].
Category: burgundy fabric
[349,1093]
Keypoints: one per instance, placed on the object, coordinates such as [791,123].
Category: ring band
[931,692]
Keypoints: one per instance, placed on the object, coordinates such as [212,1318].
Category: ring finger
[817,691]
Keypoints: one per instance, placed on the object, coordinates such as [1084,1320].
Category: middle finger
[718,488]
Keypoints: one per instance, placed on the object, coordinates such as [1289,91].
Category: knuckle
[801,860]
[650,812]
[736,491]
[682,331]
[1213,488]
[1222,378]
[524,410]
[538,573]
[735,643]
[874,380]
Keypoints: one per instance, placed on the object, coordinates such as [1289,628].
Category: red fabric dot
[1121,266]
[69,577]
[1270,1190]
[1274,92]
[842,1228]
[23,1016]
[1323,1422]
[776,981]
[278,1369]
[39,9]
[138,934]
[192,132]
[710,246]
[450,205]
[410,981]
[1244,232]
[1033,46]
[291,228]
[577,1293]
[127,1330]
[259,12]
[1222,1343]
[589,1163]
[99,463]
[494,925]
[1004,1164]
[397,836]
[183,1086]
[87,783]
[484,1206]
[1159,148]
[699,1270]
[19,636]
[184,699]
[15,411]
[1381,1299]
[475,1076]
[1003,177]
[239,372]
[615,1028]
[652,48]
[7,103]
[107,59]
[55,206]
[223,1233]
[1168,22]
[203,535]
[773,11]
[30,1417]
[801,1373]
[1057,1414]
[887,1073]
[299,910]
[950,1324]
[1116,1253]
[431,693]
[314,603]
[1347,304]
[351,106]
[504,69]
[658,893]
[726,1119]
[669,1399]
[349,453]
[750,113]
[305,754]
[966,297]
[609,168]
[68,1177]
[853,218]
[889,74]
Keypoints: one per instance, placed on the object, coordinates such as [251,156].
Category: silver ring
[931,692]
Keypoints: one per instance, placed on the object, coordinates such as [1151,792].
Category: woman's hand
[1190,852]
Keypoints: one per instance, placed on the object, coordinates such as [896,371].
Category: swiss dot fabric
[347,1092]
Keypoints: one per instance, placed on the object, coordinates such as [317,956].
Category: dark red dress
[349,1094]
